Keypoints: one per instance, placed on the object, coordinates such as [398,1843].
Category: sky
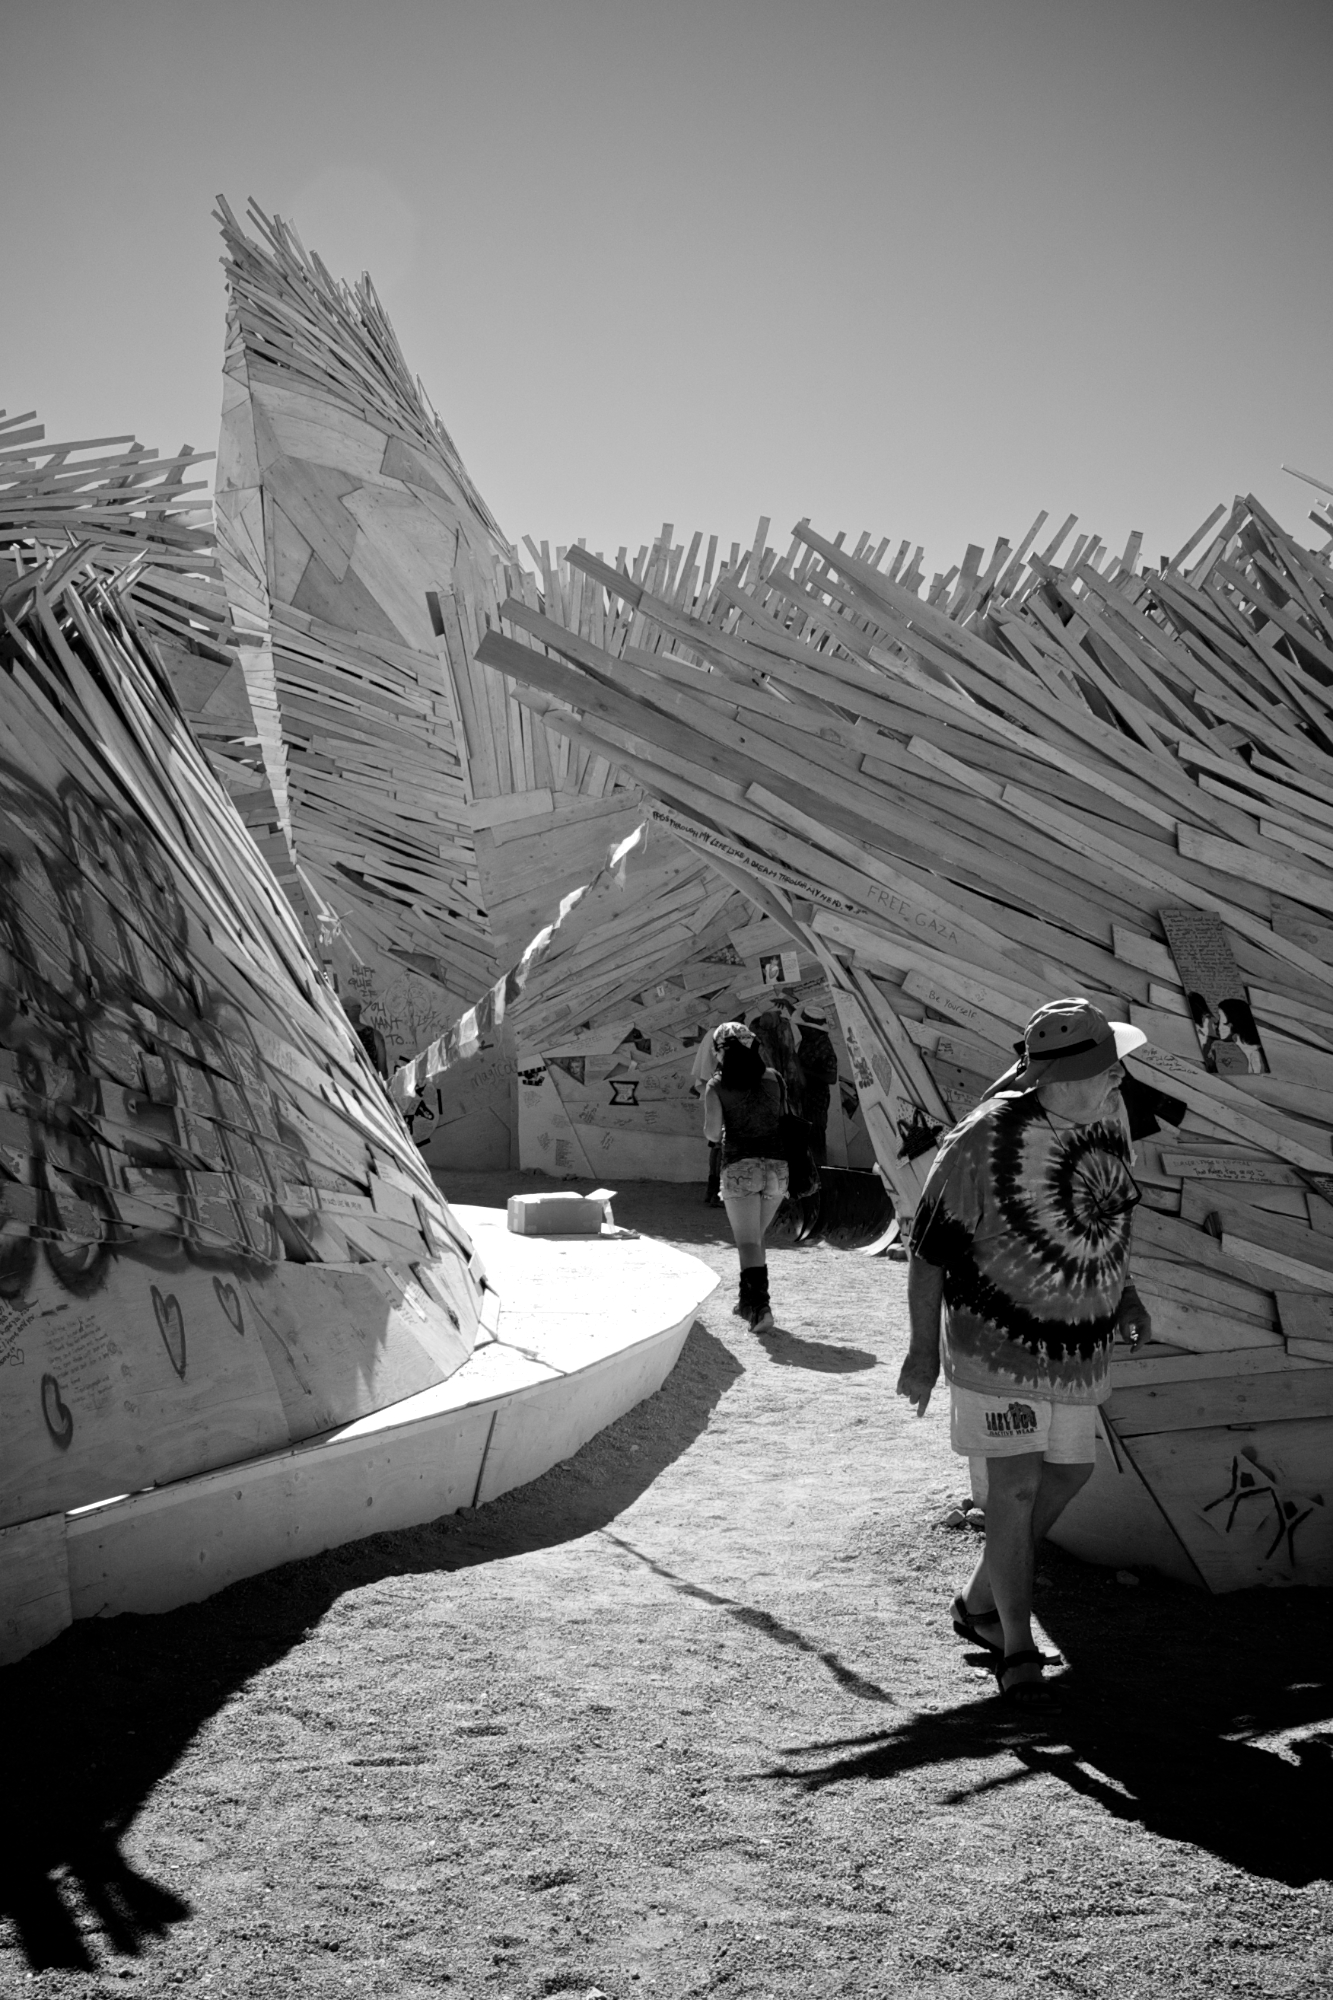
[921,267]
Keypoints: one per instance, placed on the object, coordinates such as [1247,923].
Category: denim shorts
[765,1177]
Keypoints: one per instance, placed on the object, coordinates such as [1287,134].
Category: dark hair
[772,1031]
[742,1066]
[1238,1017]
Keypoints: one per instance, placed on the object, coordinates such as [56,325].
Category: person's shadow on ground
[95,1720]
[789,1350]
[1158,1717]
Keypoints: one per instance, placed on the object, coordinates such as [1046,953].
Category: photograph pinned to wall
[780,968]
[1218,1002]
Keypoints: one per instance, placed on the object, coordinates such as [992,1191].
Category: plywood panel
[187,1118]
[1249,1505]
[34,1586]
[590,1328]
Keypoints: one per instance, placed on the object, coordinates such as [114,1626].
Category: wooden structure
[216,1237]
[589,1327]
[600,1020]
[362,566]
[1030,777]
[147,522]
[436,823]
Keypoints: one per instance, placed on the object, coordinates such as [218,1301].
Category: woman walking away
[742,1106]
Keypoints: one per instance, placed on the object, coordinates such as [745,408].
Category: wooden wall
[215,1234]
[435,821]
[596,1033]
[969,796]
[362,566]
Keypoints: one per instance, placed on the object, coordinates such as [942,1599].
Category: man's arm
[920,1371]
[1133,1321]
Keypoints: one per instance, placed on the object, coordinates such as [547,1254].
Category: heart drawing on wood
[59,1417]
[230,1301]
[171,1326]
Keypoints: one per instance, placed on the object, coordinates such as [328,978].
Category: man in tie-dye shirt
[1022,1235]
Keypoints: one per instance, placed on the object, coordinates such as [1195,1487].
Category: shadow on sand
[760,1621]
[789,1350]
[97,1719]
[1204,1719]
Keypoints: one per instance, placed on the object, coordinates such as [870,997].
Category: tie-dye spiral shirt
[1030,1224]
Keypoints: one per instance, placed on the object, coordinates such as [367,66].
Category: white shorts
[765,1177]
[1006,1426]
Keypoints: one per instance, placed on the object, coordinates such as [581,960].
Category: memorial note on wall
[1218,1002]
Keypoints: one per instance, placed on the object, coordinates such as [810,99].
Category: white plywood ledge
[586,1329]
[34,1585]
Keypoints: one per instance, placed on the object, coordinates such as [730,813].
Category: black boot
[744,1306]
[761,1315]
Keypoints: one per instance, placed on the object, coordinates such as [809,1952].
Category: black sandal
[965,1625]
[1022,1691]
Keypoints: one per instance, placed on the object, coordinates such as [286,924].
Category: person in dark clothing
[742,1107]
[369,1036]
[818,1063]
[777,1046]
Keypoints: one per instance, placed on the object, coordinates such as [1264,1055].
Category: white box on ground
[559,1214]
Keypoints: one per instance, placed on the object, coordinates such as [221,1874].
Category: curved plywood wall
[215,1234]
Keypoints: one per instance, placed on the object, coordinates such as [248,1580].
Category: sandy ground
[683,1717]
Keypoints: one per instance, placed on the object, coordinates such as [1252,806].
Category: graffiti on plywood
[1258,1498]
